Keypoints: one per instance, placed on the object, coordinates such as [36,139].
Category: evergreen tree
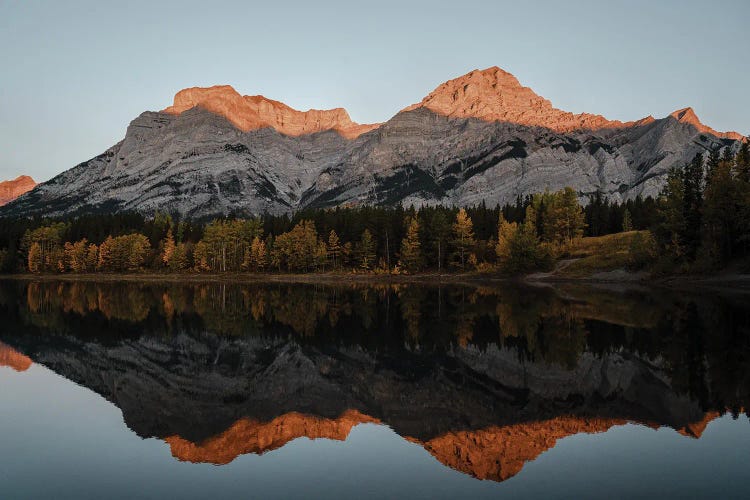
[627,222]
[560,215]
[692,206]
[742,161]
[671,221]
[366,250]
[712,162]
[334,249]
[437,233]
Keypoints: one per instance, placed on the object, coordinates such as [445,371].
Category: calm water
[195,391]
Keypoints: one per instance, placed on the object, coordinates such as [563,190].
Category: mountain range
[482,137]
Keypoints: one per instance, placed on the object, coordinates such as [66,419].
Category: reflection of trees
[128,303]
[411,301]
[542,326]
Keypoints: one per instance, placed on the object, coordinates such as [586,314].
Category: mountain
[256,112]
[480,137]
[10,190]
[485,414]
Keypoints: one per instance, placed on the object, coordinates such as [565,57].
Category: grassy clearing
[599,254]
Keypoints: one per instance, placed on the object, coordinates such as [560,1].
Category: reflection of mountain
[11,358]
[484,413]
[498,453]
[533,367]
[248,436]
[495,453]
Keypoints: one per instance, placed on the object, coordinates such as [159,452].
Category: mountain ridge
[12,189]
[479,138]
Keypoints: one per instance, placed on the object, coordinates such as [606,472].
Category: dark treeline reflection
[702,342]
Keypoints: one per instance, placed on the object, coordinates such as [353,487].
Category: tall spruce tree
[692,206]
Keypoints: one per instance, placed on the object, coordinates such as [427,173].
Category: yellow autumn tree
[463,238]
[410,257]
[168,248]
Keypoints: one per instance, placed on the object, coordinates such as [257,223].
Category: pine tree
[627,222]
[712,162]
[463,237]
[366,250]
[561,217]
[334,249]
[438,229]
[411,248]
[742,161]
[692,206]
[671,220]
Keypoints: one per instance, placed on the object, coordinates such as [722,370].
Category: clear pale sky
[74,74]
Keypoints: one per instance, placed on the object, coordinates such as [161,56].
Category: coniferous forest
[699,223]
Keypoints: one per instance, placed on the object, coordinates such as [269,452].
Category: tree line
[704,213]
[700,221]
[517,237]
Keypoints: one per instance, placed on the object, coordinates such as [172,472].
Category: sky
[75,73]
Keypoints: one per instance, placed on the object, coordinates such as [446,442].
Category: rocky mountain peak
[494,95]
[256,112]
[688,116]
[10,190]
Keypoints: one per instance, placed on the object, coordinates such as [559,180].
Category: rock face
[494,95]
[480,137]
[10,190]
[256,112]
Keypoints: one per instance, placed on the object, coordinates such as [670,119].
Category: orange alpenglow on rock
[13,359]
[256,112]
[495,95]
[248,436]
[10,190]
[495,453]
[688,116]
[499,453]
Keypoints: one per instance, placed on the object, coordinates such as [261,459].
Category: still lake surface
[122,390]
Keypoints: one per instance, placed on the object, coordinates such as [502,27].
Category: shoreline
[734,282]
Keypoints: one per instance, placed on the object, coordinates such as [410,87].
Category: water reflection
[484,378]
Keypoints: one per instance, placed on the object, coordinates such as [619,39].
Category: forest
[700,222]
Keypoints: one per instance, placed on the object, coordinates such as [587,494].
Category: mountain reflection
[485,378]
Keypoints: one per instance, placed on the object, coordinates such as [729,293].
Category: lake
[215,390]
